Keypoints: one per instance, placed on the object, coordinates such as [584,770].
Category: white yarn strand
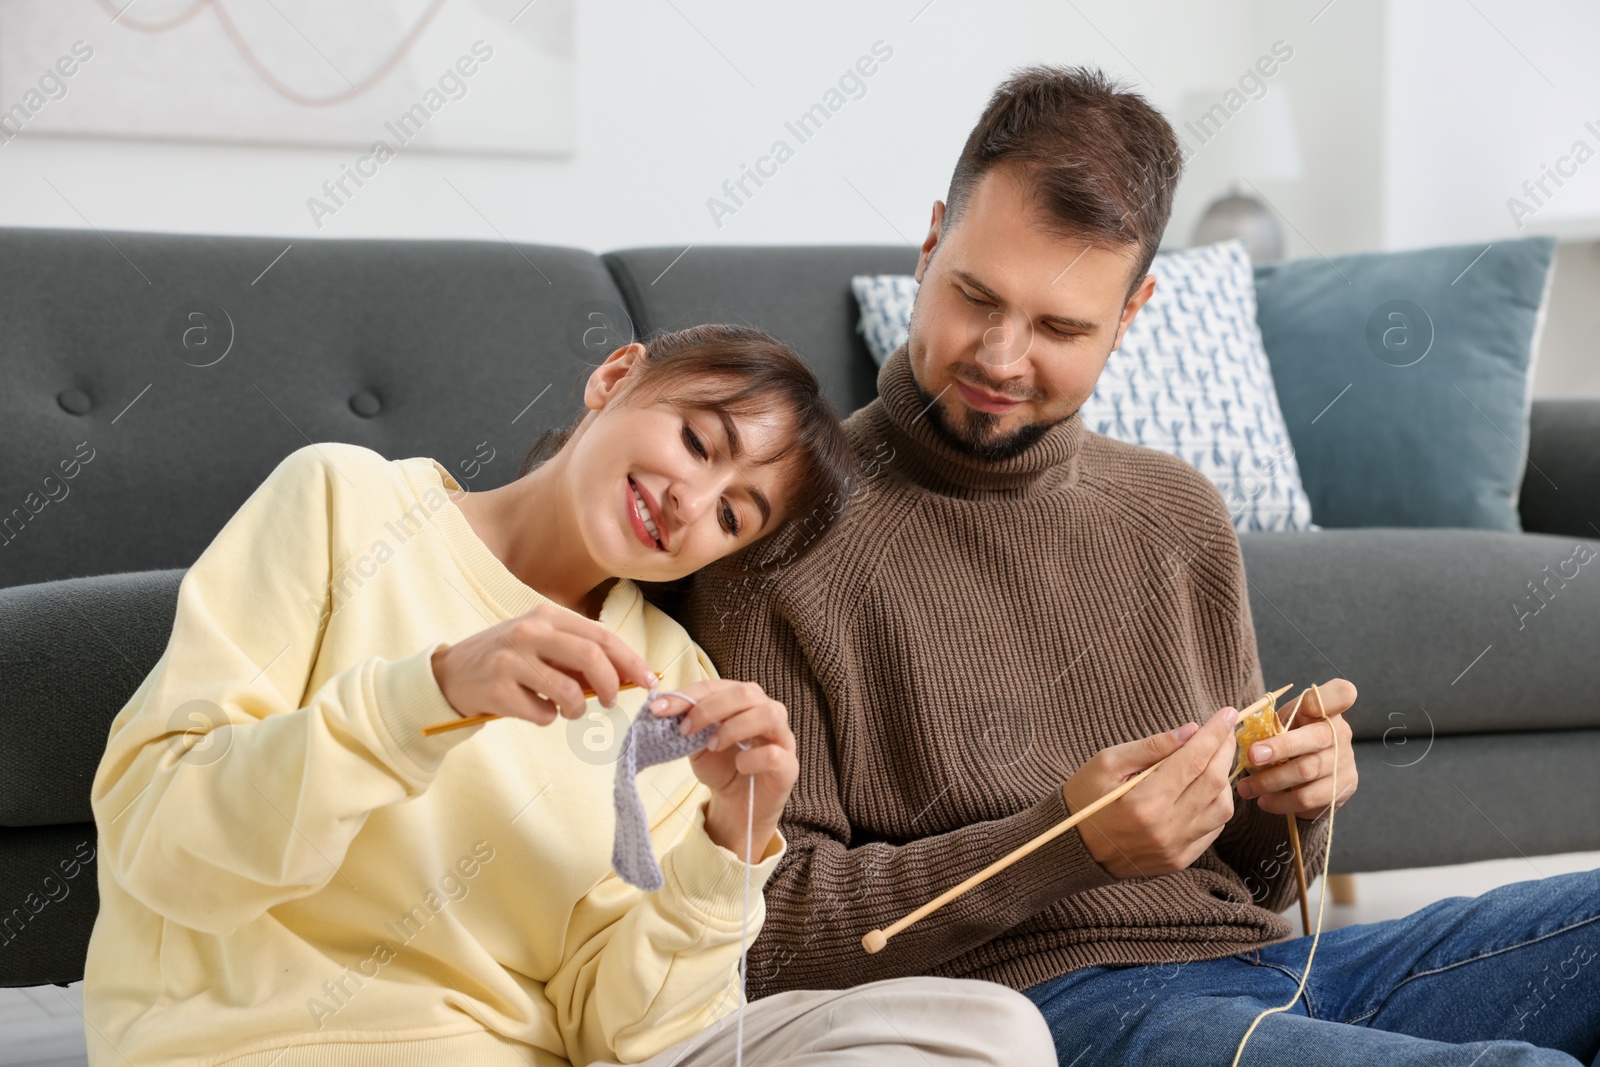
[1322,899]
[749,865]
[744,935]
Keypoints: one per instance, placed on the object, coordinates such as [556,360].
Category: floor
[43,1026]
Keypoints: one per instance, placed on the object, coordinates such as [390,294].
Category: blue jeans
[1512,976]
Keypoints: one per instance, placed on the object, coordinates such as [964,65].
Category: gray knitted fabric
[652,739]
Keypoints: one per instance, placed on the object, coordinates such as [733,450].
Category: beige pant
[925,1022]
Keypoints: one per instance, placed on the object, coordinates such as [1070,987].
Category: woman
[293,872]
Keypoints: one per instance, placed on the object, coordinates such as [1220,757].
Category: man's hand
[1165,822]
[1303,783]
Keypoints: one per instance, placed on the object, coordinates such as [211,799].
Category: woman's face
[662,491]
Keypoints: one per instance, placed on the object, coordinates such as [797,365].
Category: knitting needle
[473,720]
[1300,873]
[1294,831]
[1294,825]
[1264,701]
[875,940]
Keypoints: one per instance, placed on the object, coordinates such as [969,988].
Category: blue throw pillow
[1190,379]
[1405,378]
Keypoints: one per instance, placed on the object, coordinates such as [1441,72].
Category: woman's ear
[608,378]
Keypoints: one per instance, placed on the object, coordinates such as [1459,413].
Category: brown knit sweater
[966,636]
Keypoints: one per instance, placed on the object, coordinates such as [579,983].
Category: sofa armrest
[71,654]
[1561,486]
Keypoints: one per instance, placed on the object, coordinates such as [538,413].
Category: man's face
[1013,323]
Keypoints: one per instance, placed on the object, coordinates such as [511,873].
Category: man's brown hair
[1102,163]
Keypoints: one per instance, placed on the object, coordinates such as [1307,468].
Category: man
[1014,614]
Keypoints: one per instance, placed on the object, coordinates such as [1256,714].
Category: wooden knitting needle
[1294,825]
[1294,837]
[1264,701]
[1300,874]
[875,940]
[473,720]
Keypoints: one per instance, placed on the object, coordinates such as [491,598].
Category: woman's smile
[643,512]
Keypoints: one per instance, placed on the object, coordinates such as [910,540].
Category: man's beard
[979,435]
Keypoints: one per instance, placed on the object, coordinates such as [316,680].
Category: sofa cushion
[188,369]
[1467,797]
[886,302]
[1406,378]
[1441,631]
[800,293]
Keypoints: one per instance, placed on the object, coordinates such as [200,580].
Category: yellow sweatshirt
[291,874]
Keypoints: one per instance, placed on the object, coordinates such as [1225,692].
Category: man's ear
[1140,296]
[608,379]
[930,242]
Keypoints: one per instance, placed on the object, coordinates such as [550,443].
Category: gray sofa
[1477,739]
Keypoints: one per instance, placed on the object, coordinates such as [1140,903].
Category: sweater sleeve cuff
[1071,868]
[711,879]
[409,698]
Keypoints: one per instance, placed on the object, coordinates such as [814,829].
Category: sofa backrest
[801,294]
[152,381]
[168,375]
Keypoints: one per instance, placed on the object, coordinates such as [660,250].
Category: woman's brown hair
[743,372]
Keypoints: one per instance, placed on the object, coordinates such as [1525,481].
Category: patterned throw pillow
[1190,379]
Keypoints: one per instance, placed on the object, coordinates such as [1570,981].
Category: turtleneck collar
[1049,463]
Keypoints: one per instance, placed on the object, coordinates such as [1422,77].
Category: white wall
[663,121]
[1412,116]
[1337,83]
[1568,364]
[1482,98]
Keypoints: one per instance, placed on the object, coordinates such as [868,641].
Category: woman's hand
[536,667]
[745,714]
